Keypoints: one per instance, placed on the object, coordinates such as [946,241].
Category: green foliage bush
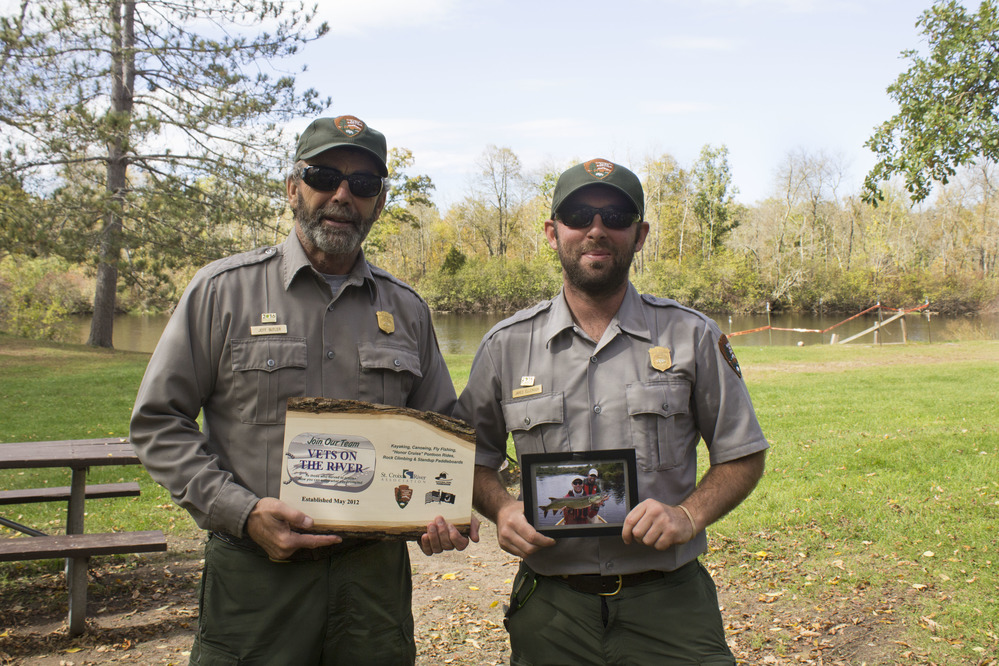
[37,295]
[491,285]
[727,283]
[858,289]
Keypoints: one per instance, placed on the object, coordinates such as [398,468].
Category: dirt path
[143,610]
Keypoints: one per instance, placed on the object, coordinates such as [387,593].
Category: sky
[559,82]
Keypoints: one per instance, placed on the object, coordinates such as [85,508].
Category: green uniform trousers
[670,621]
[354,607]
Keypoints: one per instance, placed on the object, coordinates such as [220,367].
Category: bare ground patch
[143,610]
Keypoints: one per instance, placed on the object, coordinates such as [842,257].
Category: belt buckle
[620,584]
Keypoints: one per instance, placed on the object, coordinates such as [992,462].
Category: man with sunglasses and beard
[308,317]
[601,367]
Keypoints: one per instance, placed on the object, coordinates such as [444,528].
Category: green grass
[882,479]
[883,476]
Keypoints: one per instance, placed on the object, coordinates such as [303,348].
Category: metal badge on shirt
[270,327]
[386,322]
[527,387]
[661,359]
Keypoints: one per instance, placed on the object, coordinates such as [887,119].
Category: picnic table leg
[76,567]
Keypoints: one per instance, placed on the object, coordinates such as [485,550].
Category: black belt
[300,555]
[611,585]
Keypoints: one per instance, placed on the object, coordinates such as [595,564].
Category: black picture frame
[546,478]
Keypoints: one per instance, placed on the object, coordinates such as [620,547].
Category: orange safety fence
[877,306]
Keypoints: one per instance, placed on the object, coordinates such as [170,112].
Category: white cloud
[674,108]
[355,17]
[697,44]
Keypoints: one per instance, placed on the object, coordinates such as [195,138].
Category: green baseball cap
[599,171]
[326,133]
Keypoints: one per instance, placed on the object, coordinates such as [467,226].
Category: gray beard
[337,242]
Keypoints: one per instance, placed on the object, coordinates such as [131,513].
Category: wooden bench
[62,493]
[76,546]
[81,545]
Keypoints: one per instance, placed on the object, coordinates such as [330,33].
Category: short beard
[596,284]
[337,242]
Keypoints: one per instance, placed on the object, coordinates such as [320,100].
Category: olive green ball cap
[599,171]
[326,133]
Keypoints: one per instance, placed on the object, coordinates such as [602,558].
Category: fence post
[877,331]
[905,338]
[929,336]
[769,330]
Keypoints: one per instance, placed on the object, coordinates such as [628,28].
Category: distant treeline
[805,248]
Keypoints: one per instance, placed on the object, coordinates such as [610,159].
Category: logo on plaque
[402,495]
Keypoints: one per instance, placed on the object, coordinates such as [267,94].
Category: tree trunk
[109,252]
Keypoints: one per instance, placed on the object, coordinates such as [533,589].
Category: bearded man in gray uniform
[308,317]
[601,367]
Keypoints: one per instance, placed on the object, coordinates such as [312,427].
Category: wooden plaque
[360,469]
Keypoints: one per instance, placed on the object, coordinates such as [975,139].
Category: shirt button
[397,363]
[269,251]
[330,354]
[596,409]
[609,565]
[270,363]
[593,359]
[527,420]
[331,307]
[665,407]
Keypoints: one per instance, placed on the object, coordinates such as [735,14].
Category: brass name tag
[276,329]
[530,390]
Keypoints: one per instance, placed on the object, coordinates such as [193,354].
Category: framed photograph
[582,493]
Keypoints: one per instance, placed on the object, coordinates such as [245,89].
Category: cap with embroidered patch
[599,171]
[326,133]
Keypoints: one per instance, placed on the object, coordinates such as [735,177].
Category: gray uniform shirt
[606,394]
[252,331]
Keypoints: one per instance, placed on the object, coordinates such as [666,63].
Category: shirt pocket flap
[660,398]
[387,357]
[527,414]
[268,354]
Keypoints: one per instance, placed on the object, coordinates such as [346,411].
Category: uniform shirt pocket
[387,373]
[660,422]
[266,372]
[537,424]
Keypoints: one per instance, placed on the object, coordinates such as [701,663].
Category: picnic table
[75,545]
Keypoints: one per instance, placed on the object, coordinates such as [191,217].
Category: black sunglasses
[328,179]
[613,218]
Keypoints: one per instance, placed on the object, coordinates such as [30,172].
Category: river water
[460,334]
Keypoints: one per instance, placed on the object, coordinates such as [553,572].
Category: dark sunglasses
[613,218]
[328,179]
